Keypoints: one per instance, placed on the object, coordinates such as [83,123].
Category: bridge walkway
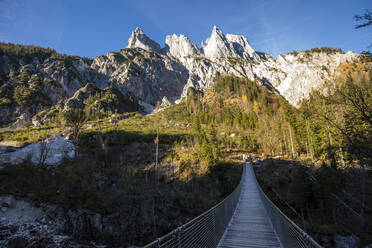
[250,225]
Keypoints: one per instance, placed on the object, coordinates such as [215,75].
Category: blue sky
[95,27]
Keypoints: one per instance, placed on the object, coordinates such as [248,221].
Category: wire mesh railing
[289,234]
[206,230]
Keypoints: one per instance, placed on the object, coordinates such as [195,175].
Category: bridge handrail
[205,230]
[289,234]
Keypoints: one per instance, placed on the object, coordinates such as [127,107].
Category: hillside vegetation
[28,80]
[330,137]
[116,176]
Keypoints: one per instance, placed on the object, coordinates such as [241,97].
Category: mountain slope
[293,75]
[152,73]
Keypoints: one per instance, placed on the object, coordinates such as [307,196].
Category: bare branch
[44,148]
[367,16]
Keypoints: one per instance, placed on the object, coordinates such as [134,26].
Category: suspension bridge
[245,218]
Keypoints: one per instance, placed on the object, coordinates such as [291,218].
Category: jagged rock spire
[240,46]
[180,46]
[219,45]
[139,39]
[216,45]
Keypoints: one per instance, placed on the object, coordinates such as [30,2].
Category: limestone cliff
[37,78]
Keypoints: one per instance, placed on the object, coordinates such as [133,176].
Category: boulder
[7,201]
[54,151]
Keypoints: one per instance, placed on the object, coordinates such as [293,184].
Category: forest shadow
[115,177]
[323,200]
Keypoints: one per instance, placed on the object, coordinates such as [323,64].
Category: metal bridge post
[214,225]
[157,243]
[179,233]
[306,239]
[174,234]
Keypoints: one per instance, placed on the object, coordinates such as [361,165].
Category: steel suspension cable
[289,234]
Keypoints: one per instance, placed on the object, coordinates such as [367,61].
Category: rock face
[77,100]
[293,75]
[26,224]
[22,224]
[108,99]
[180,46]
[241,47]
[35,80]
[148,75]
[152,73]
[217,46]
[221,46]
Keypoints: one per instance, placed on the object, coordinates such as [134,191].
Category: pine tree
[206,153]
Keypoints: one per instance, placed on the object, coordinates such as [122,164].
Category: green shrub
[5,102]
[75,118]
[23,95]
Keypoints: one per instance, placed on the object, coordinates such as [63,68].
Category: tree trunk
[303,220]
[342,158]
[285,144]
[156,158]
[363,191]
[310,141]
[153,215]
[307,150]
[290,135]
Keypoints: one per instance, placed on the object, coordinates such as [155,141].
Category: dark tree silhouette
[365,18]
[75,118]
[364,21]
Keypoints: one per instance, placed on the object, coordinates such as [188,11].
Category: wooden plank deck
[250,226]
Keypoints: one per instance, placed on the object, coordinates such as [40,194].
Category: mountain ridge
[153,73]
[216,46]
[234,55]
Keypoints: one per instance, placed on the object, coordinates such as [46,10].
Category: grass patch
[30,135]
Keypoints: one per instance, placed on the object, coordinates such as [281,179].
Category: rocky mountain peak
[217,31]
[139,39]
[229,45]
[217,45]
[180,46]
[240,46]
[138,31]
